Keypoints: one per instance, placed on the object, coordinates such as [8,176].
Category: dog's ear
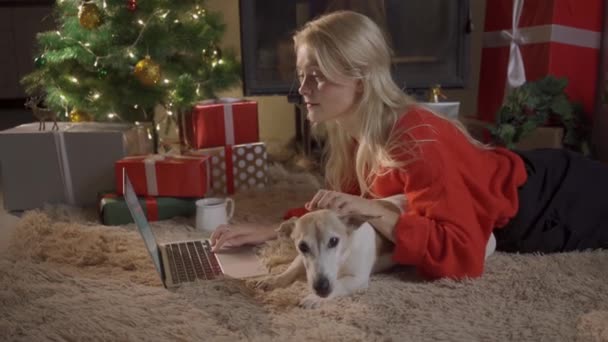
[355,220]
[285,229]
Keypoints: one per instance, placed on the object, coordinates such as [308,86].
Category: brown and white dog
[337,253]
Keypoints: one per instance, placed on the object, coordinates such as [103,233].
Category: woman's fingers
[330,200]
[217,233]
[239,240]
[221,235]
[220,242]
[314,202]
[333,200]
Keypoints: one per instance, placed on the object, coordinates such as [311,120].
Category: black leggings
[563,206]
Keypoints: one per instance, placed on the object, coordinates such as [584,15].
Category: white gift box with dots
[249,167]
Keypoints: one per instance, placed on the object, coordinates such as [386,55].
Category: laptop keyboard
[192,260]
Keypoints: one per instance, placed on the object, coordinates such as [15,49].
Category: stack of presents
[82,164]
[525,40]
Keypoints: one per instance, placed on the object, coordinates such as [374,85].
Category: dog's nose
[321,286]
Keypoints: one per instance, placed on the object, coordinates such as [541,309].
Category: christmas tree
[117,59]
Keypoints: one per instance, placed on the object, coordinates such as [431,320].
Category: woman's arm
[385,211]
[388,210]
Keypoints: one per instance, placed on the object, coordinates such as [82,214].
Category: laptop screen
[140,220]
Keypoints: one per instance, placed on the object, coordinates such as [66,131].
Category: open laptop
[191,260]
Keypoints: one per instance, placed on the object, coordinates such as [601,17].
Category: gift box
[525,41]
[236,167]
[221,122]
[164,175]
[70,165]
[113,209]
[542,137]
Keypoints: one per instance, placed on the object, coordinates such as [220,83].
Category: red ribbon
[104,196]
[151,208]
[229,169]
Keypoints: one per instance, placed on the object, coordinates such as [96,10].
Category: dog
[337,253]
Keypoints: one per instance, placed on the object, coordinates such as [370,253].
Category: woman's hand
[241,234]
[386,213]
[341,203]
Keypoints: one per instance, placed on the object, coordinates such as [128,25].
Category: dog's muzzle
[321,286]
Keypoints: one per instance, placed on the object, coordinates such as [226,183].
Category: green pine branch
[541,103]
[92,70]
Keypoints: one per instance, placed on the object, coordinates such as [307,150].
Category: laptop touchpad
[240,262]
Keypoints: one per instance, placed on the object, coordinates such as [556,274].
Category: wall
[277,120]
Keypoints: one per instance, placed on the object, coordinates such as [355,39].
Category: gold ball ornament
[89,15]
[77,115]
[147,72]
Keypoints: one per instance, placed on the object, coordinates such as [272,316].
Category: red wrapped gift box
[221,122]
[164,175]
[554,37]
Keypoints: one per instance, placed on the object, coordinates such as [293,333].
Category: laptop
[190,260]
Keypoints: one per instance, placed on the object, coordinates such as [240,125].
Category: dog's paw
[268,283]
[311,301]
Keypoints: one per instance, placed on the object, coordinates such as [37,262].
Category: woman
[380,143]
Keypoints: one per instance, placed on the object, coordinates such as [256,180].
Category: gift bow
[516,72]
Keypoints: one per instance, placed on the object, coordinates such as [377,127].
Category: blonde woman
[380,144]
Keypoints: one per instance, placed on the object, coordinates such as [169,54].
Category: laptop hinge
[162,269]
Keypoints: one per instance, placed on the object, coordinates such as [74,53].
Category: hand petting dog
[339,202]
[384,213]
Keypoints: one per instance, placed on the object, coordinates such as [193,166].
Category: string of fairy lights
[145,70]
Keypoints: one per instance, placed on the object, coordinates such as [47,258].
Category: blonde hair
[347,44]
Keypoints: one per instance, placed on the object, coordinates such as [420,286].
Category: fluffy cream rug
[65,277]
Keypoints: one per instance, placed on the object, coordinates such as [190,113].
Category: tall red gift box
[221,122]
[165,175]
[553,37]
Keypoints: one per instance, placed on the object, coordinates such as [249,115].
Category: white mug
[212,212]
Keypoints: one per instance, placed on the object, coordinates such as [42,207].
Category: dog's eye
[333,242]
[303,247]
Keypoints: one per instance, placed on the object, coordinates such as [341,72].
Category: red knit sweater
[457,194]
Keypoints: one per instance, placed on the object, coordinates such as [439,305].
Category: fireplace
[430,40]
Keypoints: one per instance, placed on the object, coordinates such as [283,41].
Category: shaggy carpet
[67,278]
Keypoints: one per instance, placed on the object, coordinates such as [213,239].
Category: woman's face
[325,100]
